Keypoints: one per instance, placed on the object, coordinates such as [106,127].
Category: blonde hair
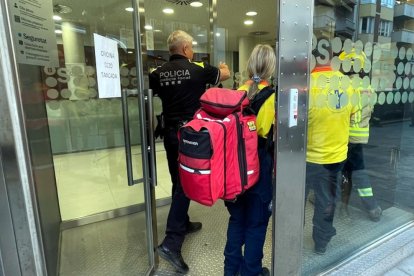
[177,39]
[260,66]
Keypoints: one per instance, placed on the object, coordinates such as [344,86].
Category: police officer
[179,83]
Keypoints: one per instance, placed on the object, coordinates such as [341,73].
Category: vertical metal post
[9,258]
[16,166]
[377,20]
[149,189]
[356,19]
[294,49]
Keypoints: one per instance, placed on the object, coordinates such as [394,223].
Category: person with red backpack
[250,213]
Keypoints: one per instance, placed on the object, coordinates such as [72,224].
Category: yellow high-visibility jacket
[331,105]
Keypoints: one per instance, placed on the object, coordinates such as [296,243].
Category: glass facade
[356,119]
[359,129]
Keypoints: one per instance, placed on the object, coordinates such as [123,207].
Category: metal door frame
[22,219]
[147,142]
[9,260]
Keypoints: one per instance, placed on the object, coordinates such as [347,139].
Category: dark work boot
[193,227]
[320,249]
[265,272]
[375,214]
[174,258]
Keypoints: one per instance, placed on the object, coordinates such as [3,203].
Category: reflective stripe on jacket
[359,126]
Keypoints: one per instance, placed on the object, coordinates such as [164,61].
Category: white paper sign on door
[107,67]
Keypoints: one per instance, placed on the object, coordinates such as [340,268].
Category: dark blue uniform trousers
[178,215]
[249,217]
[324,180]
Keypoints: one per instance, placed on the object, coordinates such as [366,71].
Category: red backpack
[218,148]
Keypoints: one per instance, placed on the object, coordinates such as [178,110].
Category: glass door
[82,92]
[86,126]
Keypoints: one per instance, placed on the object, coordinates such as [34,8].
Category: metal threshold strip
[115,213]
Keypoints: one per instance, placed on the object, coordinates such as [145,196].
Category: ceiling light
[251,13]
[58,31]
[57,18]
[168,11]
[157,31]
[195,42]
[196,4]
[258,33]
[141,10]
[217,34]
[200,35]
[180,2]
[248,22]
[148,27]
[130,52]
[129,9]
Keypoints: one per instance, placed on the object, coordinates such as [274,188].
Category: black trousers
[178,215]
[354,170]
[324,180]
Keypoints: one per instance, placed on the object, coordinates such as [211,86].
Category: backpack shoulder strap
[260,98]
[255,105]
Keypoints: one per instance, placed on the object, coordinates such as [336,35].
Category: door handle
[127,139]
[149,114]
[150,135]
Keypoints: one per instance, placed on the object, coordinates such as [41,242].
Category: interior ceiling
[109,16]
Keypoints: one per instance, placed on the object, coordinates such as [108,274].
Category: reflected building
[334,19]
[388,49]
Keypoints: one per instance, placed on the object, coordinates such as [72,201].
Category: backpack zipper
[241,151]
[225,154]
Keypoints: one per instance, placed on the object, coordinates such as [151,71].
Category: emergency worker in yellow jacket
[354,173]
[250,213]
[330,110]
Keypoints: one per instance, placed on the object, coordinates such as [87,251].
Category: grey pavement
[393,257]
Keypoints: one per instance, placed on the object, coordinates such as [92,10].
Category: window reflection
[365,62]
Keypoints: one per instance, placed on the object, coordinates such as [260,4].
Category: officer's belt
[175,123]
